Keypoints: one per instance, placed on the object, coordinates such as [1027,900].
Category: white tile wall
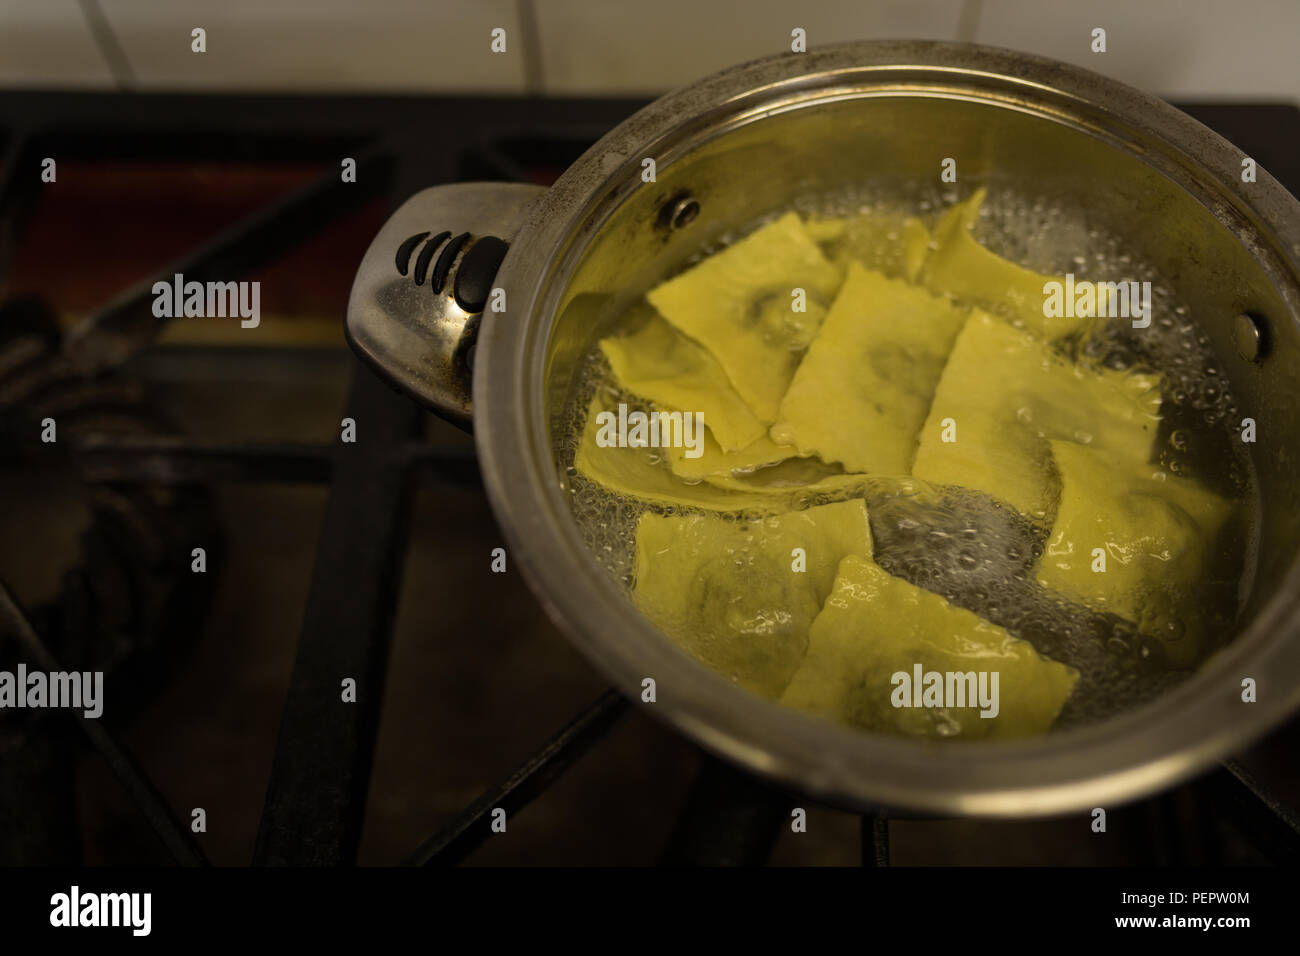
[46,43]
[1176,48]
[649,47]
[362,45]
[1173,48]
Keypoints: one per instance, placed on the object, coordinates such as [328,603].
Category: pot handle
[419,293]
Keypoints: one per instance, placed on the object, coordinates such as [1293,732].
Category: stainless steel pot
[749,141]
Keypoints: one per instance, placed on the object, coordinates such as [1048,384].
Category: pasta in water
[643,474]
[963,268]
[737,304]
[726,591]
[716,463]
[894,245]
[877,360]
[1004,395]
[922,394]
[875,626]
[1156,537]
[665,367]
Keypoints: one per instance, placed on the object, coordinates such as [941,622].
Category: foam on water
[963,545]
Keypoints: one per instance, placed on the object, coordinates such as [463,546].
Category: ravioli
[764,466]
[728,594]
[959,266]
[644,473]
[807,474]
[767,467]
[875,625]
[1004,395]
[738,304]
[662,365]
[713,462]
[801,481]
[862,392]
[827,232]
[1159,540]
[890,243]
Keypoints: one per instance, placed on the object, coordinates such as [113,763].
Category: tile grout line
[968,20]
[526,10]
[107,42]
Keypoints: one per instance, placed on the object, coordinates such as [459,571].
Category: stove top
[199,533]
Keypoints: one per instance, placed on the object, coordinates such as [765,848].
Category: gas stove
[308,658]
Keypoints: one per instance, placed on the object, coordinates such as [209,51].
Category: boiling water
[961,544]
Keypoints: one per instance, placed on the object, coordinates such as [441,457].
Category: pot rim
[1132,754]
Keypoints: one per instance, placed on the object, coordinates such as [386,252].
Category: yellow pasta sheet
[1005,394]
[715,463]
[959,266]
[764,467]
[862,392]
[730,593]
[644,473]
[665,367]
[1157,538]
[648,474]
[739,304]
[874,626]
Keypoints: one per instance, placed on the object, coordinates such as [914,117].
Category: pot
[486,327]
